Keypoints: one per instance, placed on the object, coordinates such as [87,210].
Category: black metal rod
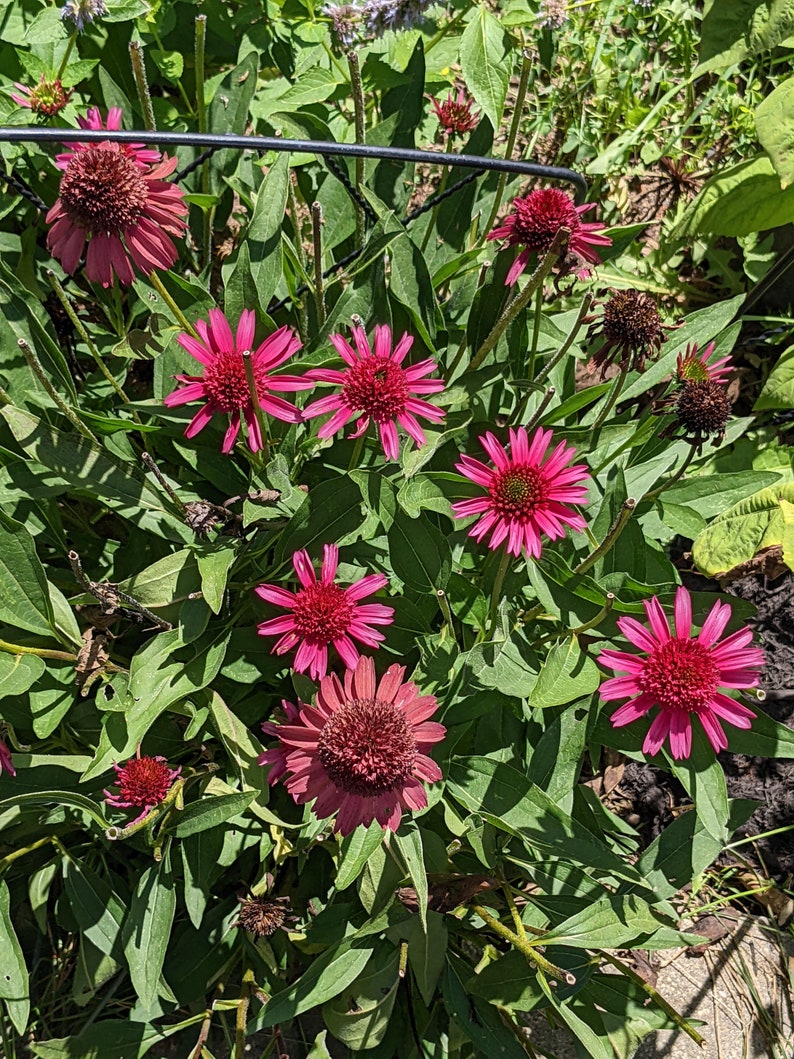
[219,141]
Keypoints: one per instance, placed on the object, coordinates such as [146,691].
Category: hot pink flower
[682,675]
[535,221]
[48,97]
[142,155]
[323,614]
[455,114]
[126,210]
[224,384]
[525,496]
[693,368]
[378,387]
[143,783]
[6,764]
[361,750]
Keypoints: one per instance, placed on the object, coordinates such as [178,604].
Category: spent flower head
[324,614]
[345,23]
[527,494]
[375,386]
[361,750]
[142,783]
[224,386]
[703,409]
[535,222]
[630,329]
[46,99]
[263,916]
[681,675]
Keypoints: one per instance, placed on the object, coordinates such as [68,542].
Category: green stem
[66,56]
[149,463]
[544,402]
[668,1009]
[5,397]
[673,479]
[42,652]
[17,853]
[142,84]
[446,611]
[521,93]
[522,300]
[296,229]
[609,541]
[158,285]
[442,187]
[317,242]
[612,397]
[360,119]
[37,368]
[504,564]
[445,29]
[119,834]
[607,607]
[465,340]
[525,947]
[546,370]
[201,111]
[355,455]
[258,413]
[533,349]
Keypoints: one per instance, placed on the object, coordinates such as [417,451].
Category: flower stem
[355,455]
[201,112]
[544,401]
[673,478]
[533,349]
[446,611]
[668,1009]
[17,853]
[42,652]
[521,93]
[359,112]
[607,607]
[158,285]
[296,228]
[504,564]
[317,241]
[464,341]
[525,947]
[442,187]
[546,370]
[37,368]
[609,541]
[612,397]
[258,413]
[142,84]
[66,56]
[522,300]
[149,463]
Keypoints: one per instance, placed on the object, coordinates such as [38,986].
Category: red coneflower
[126,210]
[361,750]
[6,764]
[376,386]
[324,614]
[455,114]
[47,98]
[224,384]
[682,675]
[143,783]
[535,221]
[525,496]
[693,368]
[139,152]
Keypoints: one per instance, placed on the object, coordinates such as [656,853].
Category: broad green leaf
[231,94]
[742,199]
[331,513]
[567,674]
[712,494]
[99,911]
[105,1039]
[19,672]
[475,1018]
[596,1047]
[736,535]
[778,391]
[356,850]
[44,797]
[169,580]
[419,553]
[24,595]
[703,779]
[200,855]
[557,757]
[13,972]
[510,667]
[264,231]
[147,929]
[427,949]
[486,58]
[617,923]
[766,738]
[209,812]
[408,841]
[774,123]
[214,568]
[360,1016]
[508,982]
[733,30]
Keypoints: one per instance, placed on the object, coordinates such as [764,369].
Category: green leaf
[171,64]
[703,779]
[106,1039]
[24,595]
[214,568]
[168,580]
[331,514]
[478,1020]
[774,123]
[147,929]
[209,812]
[567,674]
[79,801]
[19,672]
[200,855]
[556,759]
[360,1017]
[408,841]
[766,738]
[420,555]
[427,949]
[510,667]
[596,1047]
[486,58]
[733,30]
[13,973]
[617,922]
[736,535]
[742,199]
[778,391]
[507,982]
[229,110]
[264,231]
[99,911]
[356,850]
[711,494]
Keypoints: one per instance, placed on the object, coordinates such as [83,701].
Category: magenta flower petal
[143,783]
[682,675]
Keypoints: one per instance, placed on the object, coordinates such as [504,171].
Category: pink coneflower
[682,675]
[376,386]
[361,750]
[141,154]
[224,384]
[6,764]
[143,783]
[455,114]
[323,614]
[693,368]
[125,210]
[525,496]
[47,98]
[535,221]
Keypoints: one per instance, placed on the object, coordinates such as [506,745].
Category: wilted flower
[703,408]
[631,329]
[376,386]
[553,13]
[224,384]
[380,15]
[82,11]
[361,750]
[324,614]
[455,115]
[6,764]
[682,675]
[693,368]
[124,209]
[47,98]
[263,916]
[525,496]
[143,783]
[535,221]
